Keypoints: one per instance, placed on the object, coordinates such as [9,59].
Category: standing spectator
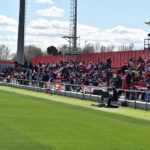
[124,68]
[118,81]
[108,62]
[128,78]
[108,76]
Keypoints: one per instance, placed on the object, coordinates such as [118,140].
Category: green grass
[36,121]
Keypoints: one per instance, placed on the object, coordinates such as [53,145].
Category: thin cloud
[8,29]
[45,24]
[4,20]
[45,1]
[51,12]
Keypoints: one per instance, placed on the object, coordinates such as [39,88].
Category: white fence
[132,98]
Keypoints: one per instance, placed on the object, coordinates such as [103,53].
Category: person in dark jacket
[108,62]
[124,68]
[114,97]
[118,82]
[46,77]
[128,79]
[109,75]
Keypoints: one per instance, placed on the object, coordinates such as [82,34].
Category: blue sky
[108,21]
[110,13]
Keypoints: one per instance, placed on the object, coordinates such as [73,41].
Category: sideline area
[126,111]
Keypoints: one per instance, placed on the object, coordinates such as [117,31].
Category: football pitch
[38,121]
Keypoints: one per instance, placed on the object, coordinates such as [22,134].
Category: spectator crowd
[132,75]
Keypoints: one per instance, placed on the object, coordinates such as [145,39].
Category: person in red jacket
[124,85]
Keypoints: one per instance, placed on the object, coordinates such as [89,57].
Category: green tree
[52,50]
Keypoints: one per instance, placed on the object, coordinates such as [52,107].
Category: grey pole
[75,27]
[20,45]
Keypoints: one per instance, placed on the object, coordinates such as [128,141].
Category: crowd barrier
[131,98]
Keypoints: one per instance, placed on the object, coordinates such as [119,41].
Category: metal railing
[133,98]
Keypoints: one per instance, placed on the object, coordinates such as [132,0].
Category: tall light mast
[21,26]
[147,41]
[73,24]
[72,38]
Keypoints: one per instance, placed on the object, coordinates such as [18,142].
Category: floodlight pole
[72,38]
[147,41]
[20,45]
[75,27]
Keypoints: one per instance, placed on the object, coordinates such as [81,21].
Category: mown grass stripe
[28,122]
